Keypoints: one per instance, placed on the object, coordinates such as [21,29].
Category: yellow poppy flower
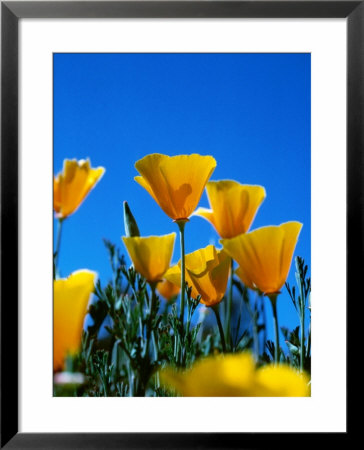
[71,297]
[71,186]
[151,256]
[264,255]
[207,271]
[282,381]
[233,206]
[167,289]
[235,375]
[175,182]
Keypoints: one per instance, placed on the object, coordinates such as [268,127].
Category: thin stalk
[273,300]
[179,354]
[153,286]
[58,243]
[130,379]
[131,382]
[255,328]
[175,348]
[181,226]
[264,320]
[255,336]
[149,317]
[184,353]
[308,341]
[218,320]
[141,320]
[141,315]
[229,303]
[253,313]
[154,340]
[302,343]
[155,357]
[188,322]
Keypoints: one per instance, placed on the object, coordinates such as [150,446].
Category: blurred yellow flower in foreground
[264,255]
[167,289]
[151,256]
[235,375]
[207,271]
[71,186]
[71,297]
[233,206]
[175,182]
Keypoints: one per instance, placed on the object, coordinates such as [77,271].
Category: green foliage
[298,343]
[144,333]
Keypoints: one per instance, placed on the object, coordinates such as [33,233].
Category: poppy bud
[131,227]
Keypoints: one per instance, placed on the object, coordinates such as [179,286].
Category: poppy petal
[71,297]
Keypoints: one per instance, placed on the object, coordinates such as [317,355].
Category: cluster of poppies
[264,258]
[176,184]
[264,255]
[71,295]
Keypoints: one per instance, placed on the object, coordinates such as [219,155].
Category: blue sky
[250,111]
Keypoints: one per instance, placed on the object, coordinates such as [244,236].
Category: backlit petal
[291,232]
[144,183]
[264,255]
[235,375]
[57,204]
[154,182]
[211,283]
[219,376]
[167,289]
[282,381]
[244,278]
[73,185]
[71,297]
[206,214]
[151,256]
[176,183]
[186,177]
[201,260]
[233,206]
[207,272]
[173,275]
[220,274]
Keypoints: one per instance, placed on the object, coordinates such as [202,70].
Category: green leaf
[293,348]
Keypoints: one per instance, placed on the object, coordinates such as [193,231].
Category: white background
[326,409]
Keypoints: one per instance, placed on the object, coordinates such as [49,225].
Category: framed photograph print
[181,221]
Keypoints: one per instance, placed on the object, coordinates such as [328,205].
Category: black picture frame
[11,12]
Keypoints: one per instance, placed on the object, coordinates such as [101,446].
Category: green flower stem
[154,340]
[218,320]
[141,315]
[181,225]
[175,348]
[153,299]
[255,335]
[188,322]
[308,341]
[178,349]
[253,313]
[273,300]
[302,341]
[131,381]
[148,302]
[229,303]
[264,320]
[58,243]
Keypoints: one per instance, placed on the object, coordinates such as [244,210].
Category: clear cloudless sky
[252,112]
